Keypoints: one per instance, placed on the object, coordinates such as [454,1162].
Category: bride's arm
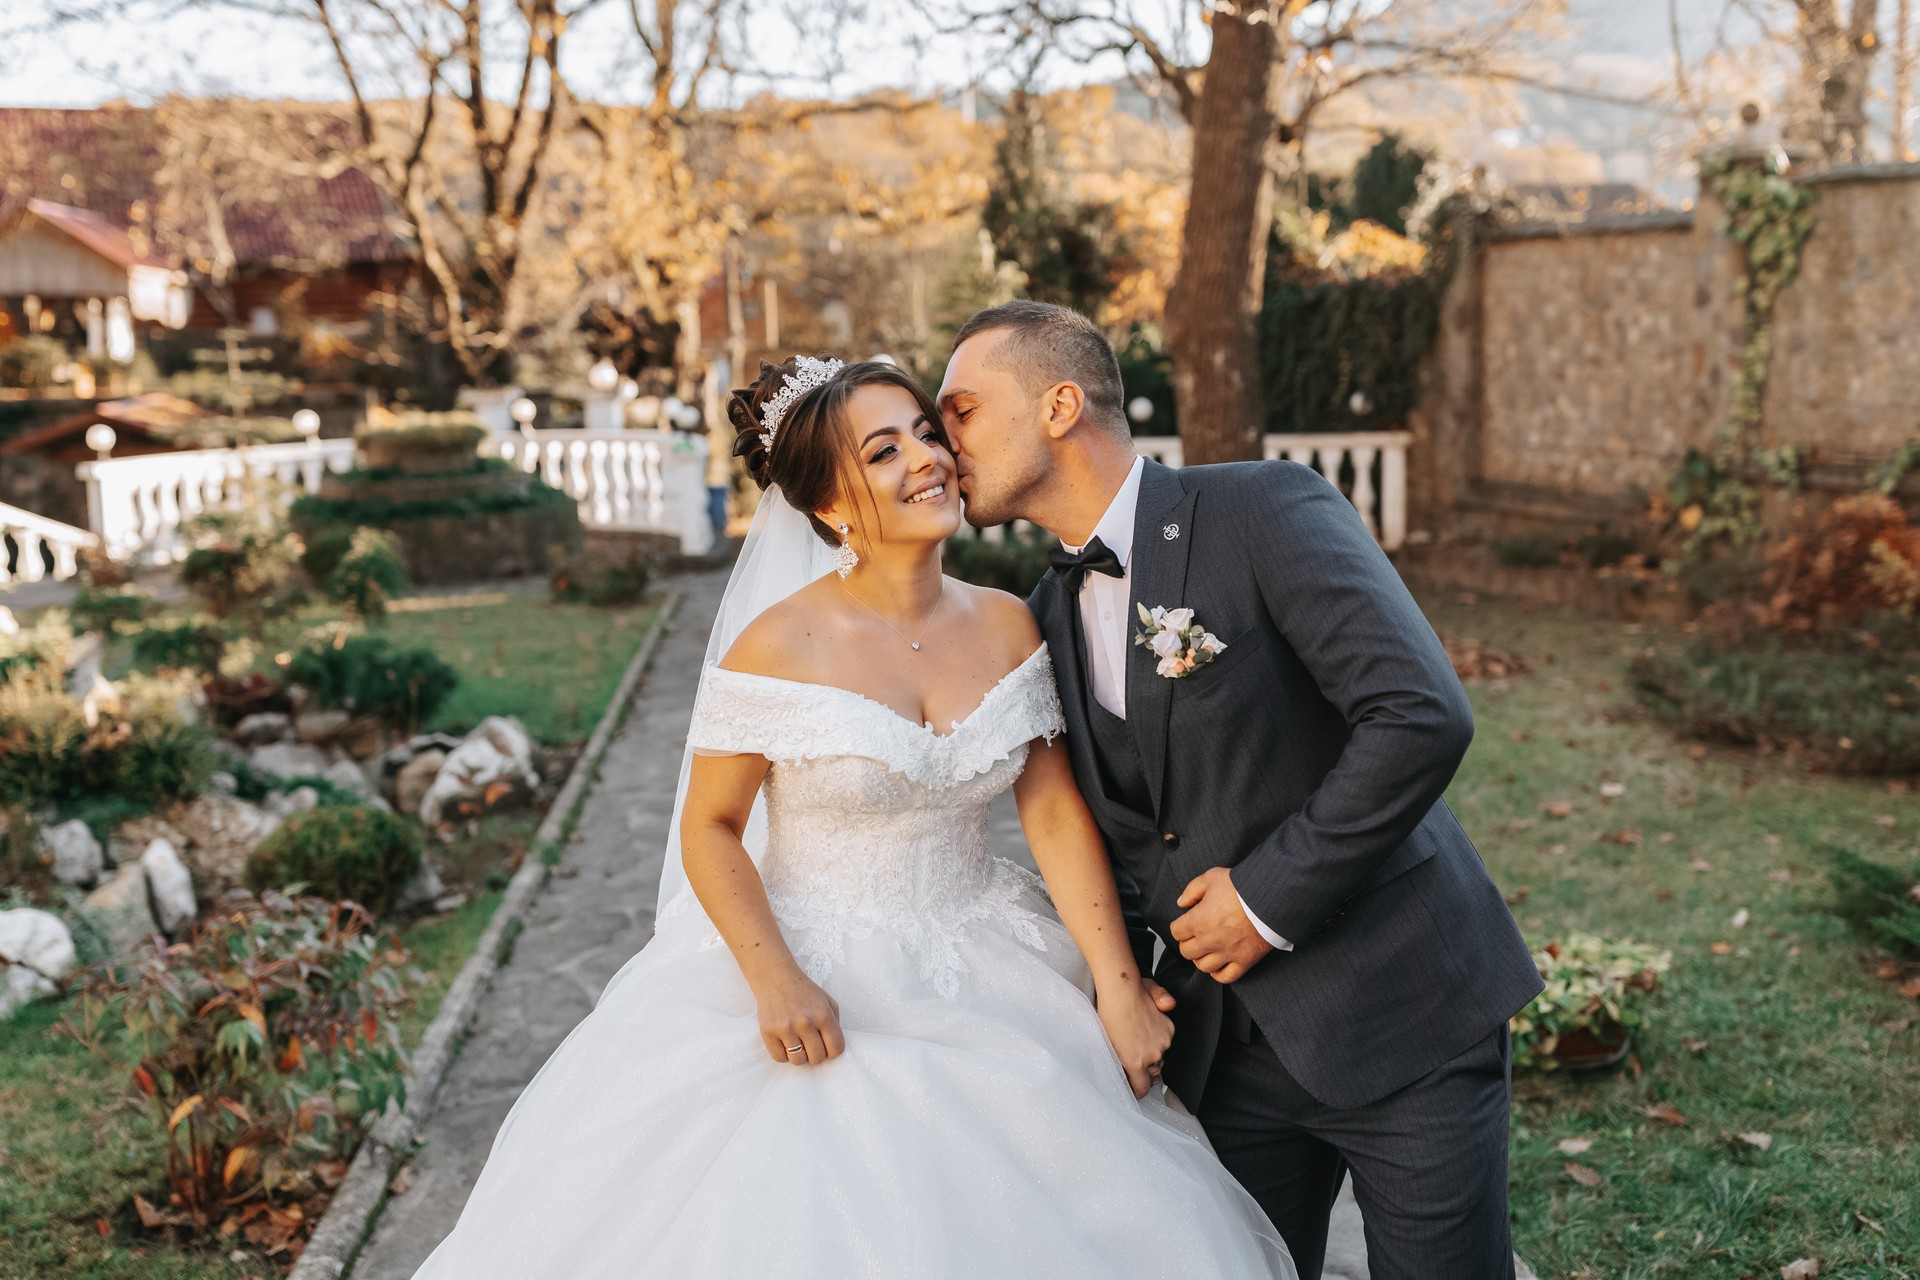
[1067,846]
[793,1008]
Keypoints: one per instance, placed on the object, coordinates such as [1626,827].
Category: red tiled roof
[105,238]
[104,161]
[138,420]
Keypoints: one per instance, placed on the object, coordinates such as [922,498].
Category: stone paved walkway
[591,917]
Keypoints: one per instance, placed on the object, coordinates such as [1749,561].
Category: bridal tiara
[808,374]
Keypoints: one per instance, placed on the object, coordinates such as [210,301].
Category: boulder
[73,853]
[218,833]
[171,886]
[415,778]
[131,838]
[321,727]
[497,749]
[118,910]
[223,782]
[289,759]
[348,776]
[262,727]
[36,951]
[298,800]
[363,738]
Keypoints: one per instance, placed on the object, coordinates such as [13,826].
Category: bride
[859,1045]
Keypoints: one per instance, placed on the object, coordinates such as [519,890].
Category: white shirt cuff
[1274,940]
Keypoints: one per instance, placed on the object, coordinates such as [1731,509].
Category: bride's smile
[904,454]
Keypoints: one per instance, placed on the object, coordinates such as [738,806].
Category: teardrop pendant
[916,646]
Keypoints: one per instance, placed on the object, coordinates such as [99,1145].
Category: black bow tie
[1095,557]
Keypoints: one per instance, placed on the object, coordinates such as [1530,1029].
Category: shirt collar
[1115,528]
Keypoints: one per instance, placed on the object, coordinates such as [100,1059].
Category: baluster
[1302,454]
[1363,497]
[599,486]
[1393,497]
[656,484]
[66,559]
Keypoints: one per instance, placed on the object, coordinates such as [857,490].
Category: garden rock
[298,800]
[415,779]
[36,951]
[75,856]
[171,887]
[262,727]
[118,910]
[289,759]
[362,738]
[509,738]
[476,764]
[223,782]
[424,890]
[349,776]
[321,727]
[219,832]
[131,838]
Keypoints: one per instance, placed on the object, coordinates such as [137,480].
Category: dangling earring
[844,558]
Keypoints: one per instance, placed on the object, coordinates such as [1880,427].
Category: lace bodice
[874,822]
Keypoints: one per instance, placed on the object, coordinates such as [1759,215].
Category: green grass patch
[77,1149]
[1783,1030]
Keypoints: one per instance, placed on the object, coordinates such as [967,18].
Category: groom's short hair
[1047,345]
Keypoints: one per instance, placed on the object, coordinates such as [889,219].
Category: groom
[1343,966]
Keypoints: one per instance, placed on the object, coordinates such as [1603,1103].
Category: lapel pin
[1171,532]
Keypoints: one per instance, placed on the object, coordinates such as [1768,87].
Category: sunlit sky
[213,48]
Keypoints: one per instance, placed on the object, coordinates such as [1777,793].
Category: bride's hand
[1140,1032]
[799,1023]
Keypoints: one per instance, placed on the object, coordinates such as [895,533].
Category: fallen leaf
[1772,840]
[1898,1024]
[1576,1146]
[1581,1174]
[1800,1269]
[1668,837]
[1666,1114]
[1625,835]
[1740,918]
[1612,790]
[1764,1141]
[102,1228]
[1883,819]
[1694,1046]
[1519,894]
[401,1182]
[1696,752]
[1699,864]
[1910,988]
[1868,1223]
[1780,875]
[1721,948]
[1557,809]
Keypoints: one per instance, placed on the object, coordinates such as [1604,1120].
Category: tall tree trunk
[1902,79]
[1837,60]
[1214,306]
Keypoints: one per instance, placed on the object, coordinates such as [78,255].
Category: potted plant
[1596,993]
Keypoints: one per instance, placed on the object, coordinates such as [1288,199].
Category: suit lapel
[1162,533]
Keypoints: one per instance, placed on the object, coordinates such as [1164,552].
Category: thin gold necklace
[931,613]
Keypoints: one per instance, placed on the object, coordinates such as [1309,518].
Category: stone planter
[501,544]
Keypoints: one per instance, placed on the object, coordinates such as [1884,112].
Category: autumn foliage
[1863,556]
[262,1046]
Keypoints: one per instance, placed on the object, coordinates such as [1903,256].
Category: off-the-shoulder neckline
[926,728]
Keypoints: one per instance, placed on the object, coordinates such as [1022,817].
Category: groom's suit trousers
[1428,1162]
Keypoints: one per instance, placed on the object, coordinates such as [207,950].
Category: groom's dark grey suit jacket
[1310,758]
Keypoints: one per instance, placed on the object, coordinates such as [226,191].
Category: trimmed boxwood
[340,852]
[367,674]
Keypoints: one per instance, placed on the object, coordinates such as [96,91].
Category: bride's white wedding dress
[979,1123]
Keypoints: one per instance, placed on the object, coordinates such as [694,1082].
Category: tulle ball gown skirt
[978,1125]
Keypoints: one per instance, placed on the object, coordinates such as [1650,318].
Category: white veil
[781,554]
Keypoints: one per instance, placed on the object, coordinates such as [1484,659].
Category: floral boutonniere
[1180,643]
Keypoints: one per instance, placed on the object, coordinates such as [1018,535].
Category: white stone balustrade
[33,537]
[137,505]
[1383,506]
[654,481]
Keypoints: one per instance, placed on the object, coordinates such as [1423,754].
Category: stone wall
[1575,365]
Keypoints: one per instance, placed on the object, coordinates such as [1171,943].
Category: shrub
[577,580]
[239,563]
[189,646]
[38,653]
[343,852]
[1015,564]
[366,674]
[108,609]
[366,575]
[139,744]
[1851,699]
[1595,985]
[1862,557]
[312,510]
[1880,901]
[266,1041]
[1528,550]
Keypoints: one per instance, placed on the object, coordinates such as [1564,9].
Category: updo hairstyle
[814,458]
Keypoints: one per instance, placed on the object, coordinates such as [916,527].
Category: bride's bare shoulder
[784,641]
[1003,619]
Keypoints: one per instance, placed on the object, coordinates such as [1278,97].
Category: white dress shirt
[1106,622]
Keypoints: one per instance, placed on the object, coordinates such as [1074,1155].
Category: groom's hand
[1215,933]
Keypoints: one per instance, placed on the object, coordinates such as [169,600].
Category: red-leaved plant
[265,1043]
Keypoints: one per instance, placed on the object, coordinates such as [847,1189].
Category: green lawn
[1785,1032]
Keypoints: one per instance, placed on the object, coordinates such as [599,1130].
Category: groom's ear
[1065,404]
